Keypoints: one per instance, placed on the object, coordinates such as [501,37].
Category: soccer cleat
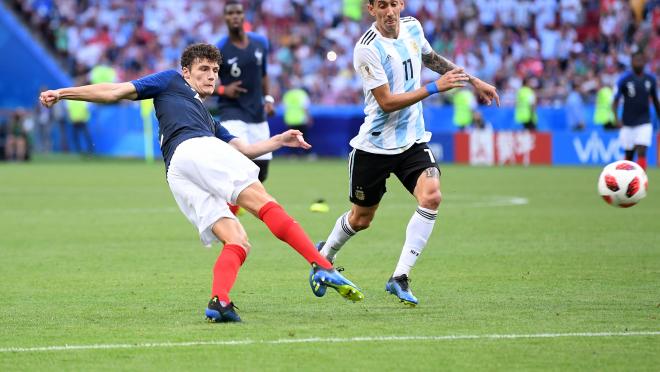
[399,287]
[320,279]
[317,288]
[219,312]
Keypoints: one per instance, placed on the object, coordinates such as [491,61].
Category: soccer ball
[622,183]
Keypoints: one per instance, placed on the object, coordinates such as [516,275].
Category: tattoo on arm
[439,64]
[432,172]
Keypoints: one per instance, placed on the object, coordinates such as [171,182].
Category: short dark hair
[200,51]
[231,2]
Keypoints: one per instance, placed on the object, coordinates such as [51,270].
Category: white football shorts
[204,174]
[249,132]
[642,135]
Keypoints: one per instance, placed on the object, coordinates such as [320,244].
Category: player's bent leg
[360,217]
[231,258]
[344,230]
[427,190]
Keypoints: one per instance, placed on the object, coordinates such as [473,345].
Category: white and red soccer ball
[622,183]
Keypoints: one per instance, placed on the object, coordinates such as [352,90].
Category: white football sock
[339,235]
[417,234]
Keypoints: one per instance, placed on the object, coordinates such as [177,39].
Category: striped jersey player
[389,58]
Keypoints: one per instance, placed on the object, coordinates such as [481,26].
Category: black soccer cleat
[219,312]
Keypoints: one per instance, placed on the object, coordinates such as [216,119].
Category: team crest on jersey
[260,56]
[359,194]
[647,85]
[366,71]
[415,47]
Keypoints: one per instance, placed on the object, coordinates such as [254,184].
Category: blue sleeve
[222,133]
[152,85]
[654,86]
[619,87]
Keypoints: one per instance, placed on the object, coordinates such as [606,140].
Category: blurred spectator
[526,105]
[575,108]
[78,112]
[17,137]
[502,40]
[464,105]
[603,114]
[479,123]
[296,112]
[3,134]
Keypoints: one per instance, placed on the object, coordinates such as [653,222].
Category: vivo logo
[595,150]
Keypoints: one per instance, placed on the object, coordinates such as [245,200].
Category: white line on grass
[322,340]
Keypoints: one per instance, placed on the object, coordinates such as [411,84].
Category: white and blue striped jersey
[397,62]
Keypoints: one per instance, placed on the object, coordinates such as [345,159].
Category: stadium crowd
[558,43]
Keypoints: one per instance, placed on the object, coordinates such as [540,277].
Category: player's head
[387,14]
[637,62]
[200,64]
[234,16]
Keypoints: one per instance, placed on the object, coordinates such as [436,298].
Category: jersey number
[407,65]
[235,71]
[430,155]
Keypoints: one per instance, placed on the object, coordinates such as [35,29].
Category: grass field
[527,269]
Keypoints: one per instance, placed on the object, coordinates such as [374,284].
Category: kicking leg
[257,201]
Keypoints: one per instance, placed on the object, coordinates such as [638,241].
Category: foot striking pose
[208,167]
[388,58]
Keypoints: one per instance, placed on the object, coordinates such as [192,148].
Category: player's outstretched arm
[486,92]
[99,93]
[389,102]
[290,138]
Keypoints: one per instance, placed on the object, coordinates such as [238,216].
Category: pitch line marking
[323,340]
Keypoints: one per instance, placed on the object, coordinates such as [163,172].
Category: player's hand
[455,78]
[49,98]
[234,90]
[269,108]
[294,138]
[618,123]
[485,92]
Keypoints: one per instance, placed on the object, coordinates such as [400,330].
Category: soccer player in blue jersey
[637,88]
[392,139]
[205,170]
[244,100]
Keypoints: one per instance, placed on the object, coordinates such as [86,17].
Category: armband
[432,88]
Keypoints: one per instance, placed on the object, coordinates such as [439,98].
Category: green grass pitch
[95,254]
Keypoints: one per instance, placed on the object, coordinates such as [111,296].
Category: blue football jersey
[248,65]
[179,109]
[636,91]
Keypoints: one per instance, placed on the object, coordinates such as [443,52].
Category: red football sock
[641,160]
[288,230]
[226,269]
